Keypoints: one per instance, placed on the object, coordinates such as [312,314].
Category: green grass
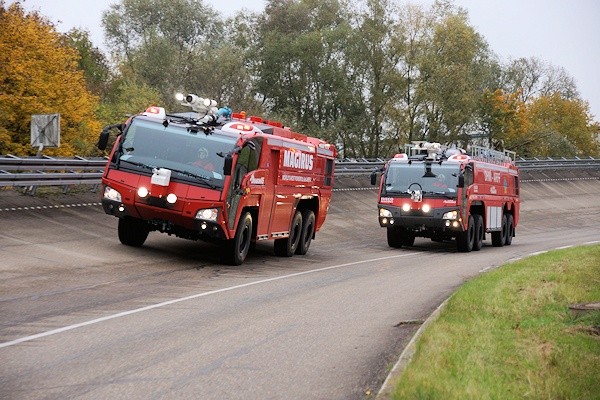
[509,334]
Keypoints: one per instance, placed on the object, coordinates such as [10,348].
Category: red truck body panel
[274,174]
[451,196]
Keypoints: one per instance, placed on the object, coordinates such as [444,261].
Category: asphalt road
[83,316]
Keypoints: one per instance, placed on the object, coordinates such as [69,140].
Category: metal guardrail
[33,172]
[562,163]
[361,166]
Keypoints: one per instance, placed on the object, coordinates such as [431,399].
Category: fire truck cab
[217,176]
[443,193]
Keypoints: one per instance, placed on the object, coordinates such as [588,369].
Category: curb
[407,354]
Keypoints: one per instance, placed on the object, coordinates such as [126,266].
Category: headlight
[385,213]
[142,192]
[426,208]
[406,207]
[208,214]
[111,194]
[450,215]
[171,198]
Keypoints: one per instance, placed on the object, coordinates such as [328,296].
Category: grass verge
[509,334]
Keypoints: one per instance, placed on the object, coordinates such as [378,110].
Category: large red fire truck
[218,176]
[442,193]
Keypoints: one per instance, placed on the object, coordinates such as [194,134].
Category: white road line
[537,253]
[195,296]
[49,207]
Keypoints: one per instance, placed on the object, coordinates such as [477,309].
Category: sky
[564,33]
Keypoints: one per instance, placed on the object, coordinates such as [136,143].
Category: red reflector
[274,123]
[153,110]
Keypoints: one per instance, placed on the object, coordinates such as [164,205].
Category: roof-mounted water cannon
[432,149]
[197,103]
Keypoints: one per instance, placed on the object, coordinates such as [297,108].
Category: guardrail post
[30,190]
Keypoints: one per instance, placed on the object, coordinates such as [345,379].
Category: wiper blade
[205,179]
[138,164]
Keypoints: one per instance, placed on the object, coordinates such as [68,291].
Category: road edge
[407,354]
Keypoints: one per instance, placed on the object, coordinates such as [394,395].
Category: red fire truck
[442,193]
[217,176]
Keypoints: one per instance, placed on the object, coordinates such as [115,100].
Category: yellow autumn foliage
[39,75]
[565,127]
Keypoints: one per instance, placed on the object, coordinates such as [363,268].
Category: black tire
[510,229]
[236,249]
[308,230]
[465,240]
[132,231]
[499,237]
[478,241]
[287,247]
[395,236]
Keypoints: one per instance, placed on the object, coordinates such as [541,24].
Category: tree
[406,111]
[454,73]
[532,78]
[504,119]
[372,54]
[300,62]
[40,75]
[230,81]
[560,127]
[92,61]
[159,40]
[126,97]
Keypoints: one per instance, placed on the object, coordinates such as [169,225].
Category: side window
[468,176]
[328,172]
[247,161]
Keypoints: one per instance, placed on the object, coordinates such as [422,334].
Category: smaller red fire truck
[218,176]
[442,193]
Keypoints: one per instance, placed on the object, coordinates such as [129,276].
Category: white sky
[564,33]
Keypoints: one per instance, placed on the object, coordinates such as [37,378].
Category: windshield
[430,178]
[193,157]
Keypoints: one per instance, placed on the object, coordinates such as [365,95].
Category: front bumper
[420,221]
[167,221]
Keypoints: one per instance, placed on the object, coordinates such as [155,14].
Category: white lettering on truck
[297,159]
[257,181]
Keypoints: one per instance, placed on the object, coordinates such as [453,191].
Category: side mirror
[103,139]
[374,178]
[228,165]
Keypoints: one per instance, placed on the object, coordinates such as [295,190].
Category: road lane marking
[195,296]
[50,207]
[537,253]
